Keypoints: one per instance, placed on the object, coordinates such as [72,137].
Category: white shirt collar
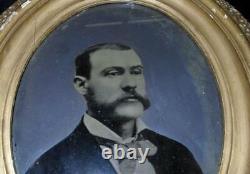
[96,128]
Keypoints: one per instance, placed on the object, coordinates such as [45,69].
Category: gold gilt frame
[220,31]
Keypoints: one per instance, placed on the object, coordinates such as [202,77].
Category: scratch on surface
[146,20]
[103,24]
[8,20]
[25,3]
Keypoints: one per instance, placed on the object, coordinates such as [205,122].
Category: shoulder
[64,154]
[50,161]
[162,141]
[176,155]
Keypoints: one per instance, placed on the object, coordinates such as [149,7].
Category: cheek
[141,88]
[105,91]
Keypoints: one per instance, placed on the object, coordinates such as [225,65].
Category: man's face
[116,86]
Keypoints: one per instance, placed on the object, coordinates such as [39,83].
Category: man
[110,77]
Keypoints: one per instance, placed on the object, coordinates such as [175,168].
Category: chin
[129,111]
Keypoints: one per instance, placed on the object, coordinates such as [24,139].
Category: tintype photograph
[118,88]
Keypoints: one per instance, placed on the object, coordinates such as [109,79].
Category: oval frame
[224,42]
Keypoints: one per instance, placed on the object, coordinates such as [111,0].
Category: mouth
[130,99]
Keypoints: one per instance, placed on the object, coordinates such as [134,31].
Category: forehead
[107,58]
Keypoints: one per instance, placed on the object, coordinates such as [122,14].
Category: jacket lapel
[88,153]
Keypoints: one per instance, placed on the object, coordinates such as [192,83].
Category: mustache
[144,100]
[102,108]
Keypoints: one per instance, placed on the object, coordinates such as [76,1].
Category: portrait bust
[171,97]
[110,77]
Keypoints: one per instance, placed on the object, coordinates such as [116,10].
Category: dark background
[241,5]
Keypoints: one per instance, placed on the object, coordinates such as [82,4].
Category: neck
[123,128]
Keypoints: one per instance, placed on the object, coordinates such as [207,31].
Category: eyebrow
[136,66]
[112,68]
[118,68]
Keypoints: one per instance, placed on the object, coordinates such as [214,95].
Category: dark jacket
[79,153]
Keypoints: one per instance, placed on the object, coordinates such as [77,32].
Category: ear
[81,84]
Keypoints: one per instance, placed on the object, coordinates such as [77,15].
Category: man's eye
[112,73]
[137,72]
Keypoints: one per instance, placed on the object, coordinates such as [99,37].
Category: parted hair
[82,61]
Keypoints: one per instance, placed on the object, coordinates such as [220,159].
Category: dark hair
[82,61]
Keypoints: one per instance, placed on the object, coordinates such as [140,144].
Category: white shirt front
[98,129]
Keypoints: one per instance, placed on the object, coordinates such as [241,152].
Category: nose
[128,83]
